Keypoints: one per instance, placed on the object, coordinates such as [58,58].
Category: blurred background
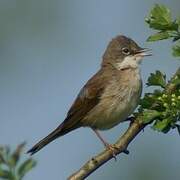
[48,50]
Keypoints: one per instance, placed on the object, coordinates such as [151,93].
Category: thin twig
[97,161]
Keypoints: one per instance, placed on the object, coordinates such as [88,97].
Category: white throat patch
[129,62]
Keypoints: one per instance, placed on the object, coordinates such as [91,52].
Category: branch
[121,145]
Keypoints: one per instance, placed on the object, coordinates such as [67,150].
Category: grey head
[122,48]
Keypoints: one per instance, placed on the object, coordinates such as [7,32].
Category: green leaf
[162,126]
[159,36]
[147,101]
[14,158]
[176,80]
[161,13]
[150,101]
[150,115]
[178,23]
[4,153]
[26,167]
[176,50]
[160,19]
[157,79]
[5,174]
[2,160]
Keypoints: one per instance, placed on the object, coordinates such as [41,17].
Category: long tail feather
[52,136]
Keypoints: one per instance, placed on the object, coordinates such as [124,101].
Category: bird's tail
[59,131]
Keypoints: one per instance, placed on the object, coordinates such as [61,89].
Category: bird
[109,97]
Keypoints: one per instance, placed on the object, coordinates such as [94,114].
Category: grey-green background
[48,50]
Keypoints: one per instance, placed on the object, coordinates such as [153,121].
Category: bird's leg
[106,144]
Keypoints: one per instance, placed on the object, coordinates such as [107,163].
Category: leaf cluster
[11,167]
[160,19]
[162,108]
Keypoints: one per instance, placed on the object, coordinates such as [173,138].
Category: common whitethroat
[109,97]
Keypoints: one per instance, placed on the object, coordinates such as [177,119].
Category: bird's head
[123,52]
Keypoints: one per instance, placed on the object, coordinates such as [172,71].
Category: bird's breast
[119,100]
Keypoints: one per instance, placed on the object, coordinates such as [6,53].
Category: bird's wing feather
[87,99]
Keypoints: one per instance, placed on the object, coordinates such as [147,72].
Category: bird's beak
[144,52]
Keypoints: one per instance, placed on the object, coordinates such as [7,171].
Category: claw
[112,149]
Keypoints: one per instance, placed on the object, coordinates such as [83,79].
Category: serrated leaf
[157,79]
[161,13]
[147,101]
[14,158]
[163,27]
[158,36]
[160,19]
[150,115]
[176,50]
[162,126]
[26,167]
[150,101]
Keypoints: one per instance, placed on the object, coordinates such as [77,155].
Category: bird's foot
[113,149]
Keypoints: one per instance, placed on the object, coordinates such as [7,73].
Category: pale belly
[117,112]
[115,106]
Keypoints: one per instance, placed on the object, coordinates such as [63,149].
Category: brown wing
[88,97]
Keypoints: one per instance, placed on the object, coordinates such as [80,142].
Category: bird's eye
[125,51]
